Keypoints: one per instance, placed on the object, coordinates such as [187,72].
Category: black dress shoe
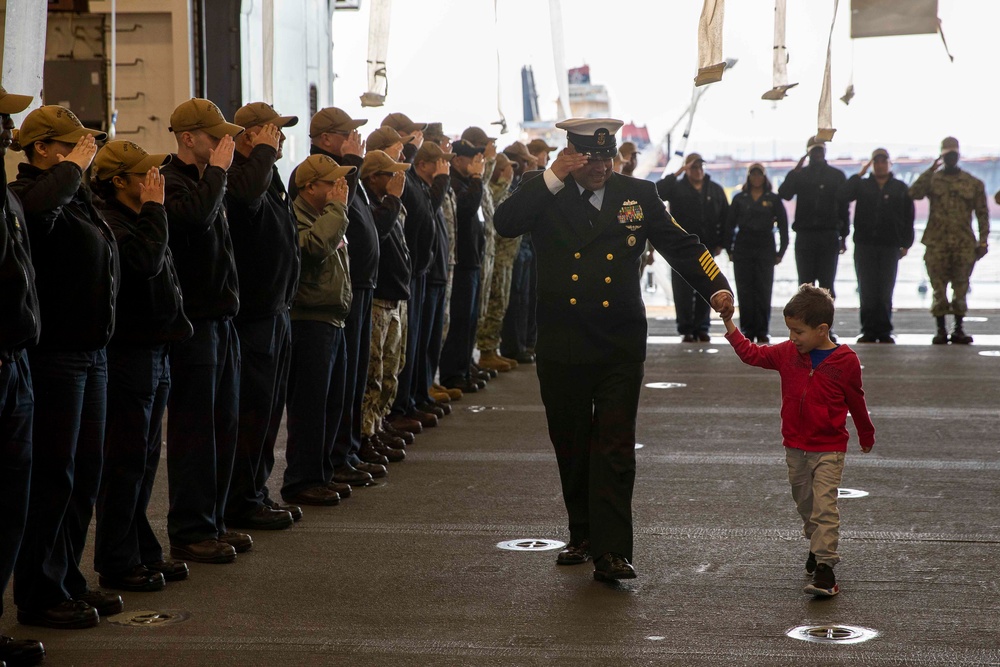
[431,409]
[239,541]
[21,652]
[522,357]
[348,474]
[206,551]
[106,604]
[465,386]
[377,471]
[294,510]
[484,373]
[688,338]
[611,567]
[444,406]
[574,554]
[263,518]
[139,579]
[68,615]
[170,569]
[317,495]
[342,490]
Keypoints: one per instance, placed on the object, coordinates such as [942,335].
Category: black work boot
[941,338]
[958,336]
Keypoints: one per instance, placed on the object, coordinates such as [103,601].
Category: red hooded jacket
[814,401]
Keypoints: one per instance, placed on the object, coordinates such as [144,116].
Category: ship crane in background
[696,94]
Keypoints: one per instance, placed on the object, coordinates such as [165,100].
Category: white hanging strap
[378,48]
[710,63]
[849,93]
[780,83]
[826,129]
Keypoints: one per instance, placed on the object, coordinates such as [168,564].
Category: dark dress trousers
[592,334]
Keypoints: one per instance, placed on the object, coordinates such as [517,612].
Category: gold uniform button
[610,256]
[608,279]
[606,304]
[572,302]
[576,255]
[575,277]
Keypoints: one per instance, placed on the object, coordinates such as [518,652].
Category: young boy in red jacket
[820,383]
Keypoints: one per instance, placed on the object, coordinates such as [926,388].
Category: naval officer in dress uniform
[589,226]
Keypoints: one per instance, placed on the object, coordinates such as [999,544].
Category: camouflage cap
[53,123]
[382,138]
[431,152]
[435,132]
[949,145]
[11,103]
[319,168]
[332,119]
[402,123]
[477,136]
[125,157]
[262,113]
[376,161]
[201,114]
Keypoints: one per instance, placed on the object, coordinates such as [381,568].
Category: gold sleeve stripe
[708,265]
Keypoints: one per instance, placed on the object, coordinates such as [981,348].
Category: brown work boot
[454,394]
[491,361]
[440,396]
[510,362]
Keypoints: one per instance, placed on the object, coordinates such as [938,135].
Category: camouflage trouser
[388,353]
[486,271]
[949,263]
[490,323]
[447,302]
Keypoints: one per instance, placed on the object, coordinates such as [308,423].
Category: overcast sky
[442,66]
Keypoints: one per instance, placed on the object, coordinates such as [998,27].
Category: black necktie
[586,195]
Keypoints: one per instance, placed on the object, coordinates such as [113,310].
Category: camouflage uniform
[489,253]
[951,243]
[449,208]
[388,353]
[498,294]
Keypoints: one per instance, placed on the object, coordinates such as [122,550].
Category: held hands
[937,164]
[338,193]
[802,161]
[491,151]
[151,189]
[222,155]
[566,163]
[268,135]
[396,185]
[902,252]
[843,246]
[353,145]
[981,251]
[83,153]
[865,168]
[680,171]
[723,304]
[866,449]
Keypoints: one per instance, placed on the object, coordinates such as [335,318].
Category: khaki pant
[815,479]
[385,361]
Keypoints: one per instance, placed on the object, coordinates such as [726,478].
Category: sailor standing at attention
[589,226]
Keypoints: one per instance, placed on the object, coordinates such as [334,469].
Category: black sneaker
[811,563]
[823,584]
